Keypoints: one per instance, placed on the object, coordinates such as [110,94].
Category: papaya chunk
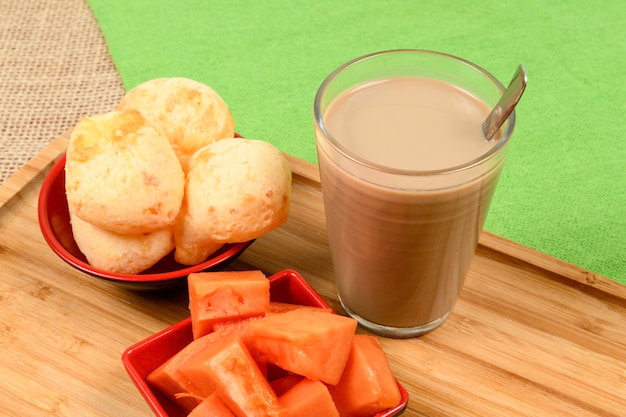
[229,368]
[211,406]
[308,398]
[169,381]
[314,344]
[240,327]
[226,295]
[367,385]
[283,384]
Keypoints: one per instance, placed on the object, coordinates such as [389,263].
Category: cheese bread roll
[121,254]
[236,190]
[122,175]
[190,113]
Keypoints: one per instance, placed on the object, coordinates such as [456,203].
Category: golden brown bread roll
[122,174]
[122,254]
[190,113]
[236,190]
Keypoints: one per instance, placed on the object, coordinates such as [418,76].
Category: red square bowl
[141,359]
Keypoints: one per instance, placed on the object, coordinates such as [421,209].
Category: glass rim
[319,120]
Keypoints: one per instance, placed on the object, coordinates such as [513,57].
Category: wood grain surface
[530,335]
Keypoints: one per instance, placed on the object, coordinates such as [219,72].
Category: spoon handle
[506,104]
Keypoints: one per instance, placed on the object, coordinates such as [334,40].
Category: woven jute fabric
[55,68]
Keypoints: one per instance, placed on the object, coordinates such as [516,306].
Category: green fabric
[563,189]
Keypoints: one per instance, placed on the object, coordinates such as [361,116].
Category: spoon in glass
[506,104]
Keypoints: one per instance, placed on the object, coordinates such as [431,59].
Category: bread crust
[118,253]
[122,175]
[236,190]
[190,113]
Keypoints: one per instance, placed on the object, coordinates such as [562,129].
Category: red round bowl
[54,221]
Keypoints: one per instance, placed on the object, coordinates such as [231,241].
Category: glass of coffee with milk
[407,177]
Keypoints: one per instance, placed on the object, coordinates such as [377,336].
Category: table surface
[530,336]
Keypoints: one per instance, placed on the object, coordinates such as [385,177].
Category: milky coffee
[403,232]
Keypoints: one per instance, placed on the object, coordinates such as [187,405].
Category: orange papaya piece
[308,398]
[241,328]
[170,382]
[307,342]
[367,385]
[225,295]
[211,406]
[283,384]
[228,367]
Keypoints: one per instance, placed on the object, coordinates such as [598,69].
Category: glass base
[395,332]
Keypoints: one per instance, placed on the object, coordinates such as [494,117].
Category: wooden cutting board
[530,335]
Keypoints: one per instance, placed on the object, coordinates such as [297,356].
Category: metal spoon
[506,104]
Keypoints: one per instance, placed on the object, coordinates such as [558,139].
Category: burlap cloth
[54,69]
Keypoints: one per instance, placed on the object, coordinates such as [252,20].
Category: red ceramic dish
[142,358]
[54,221]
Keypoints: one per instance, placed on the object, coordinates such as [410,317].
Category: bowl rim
[231,249]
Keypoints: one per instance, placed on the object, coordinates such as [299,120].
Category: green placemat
[563,190]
